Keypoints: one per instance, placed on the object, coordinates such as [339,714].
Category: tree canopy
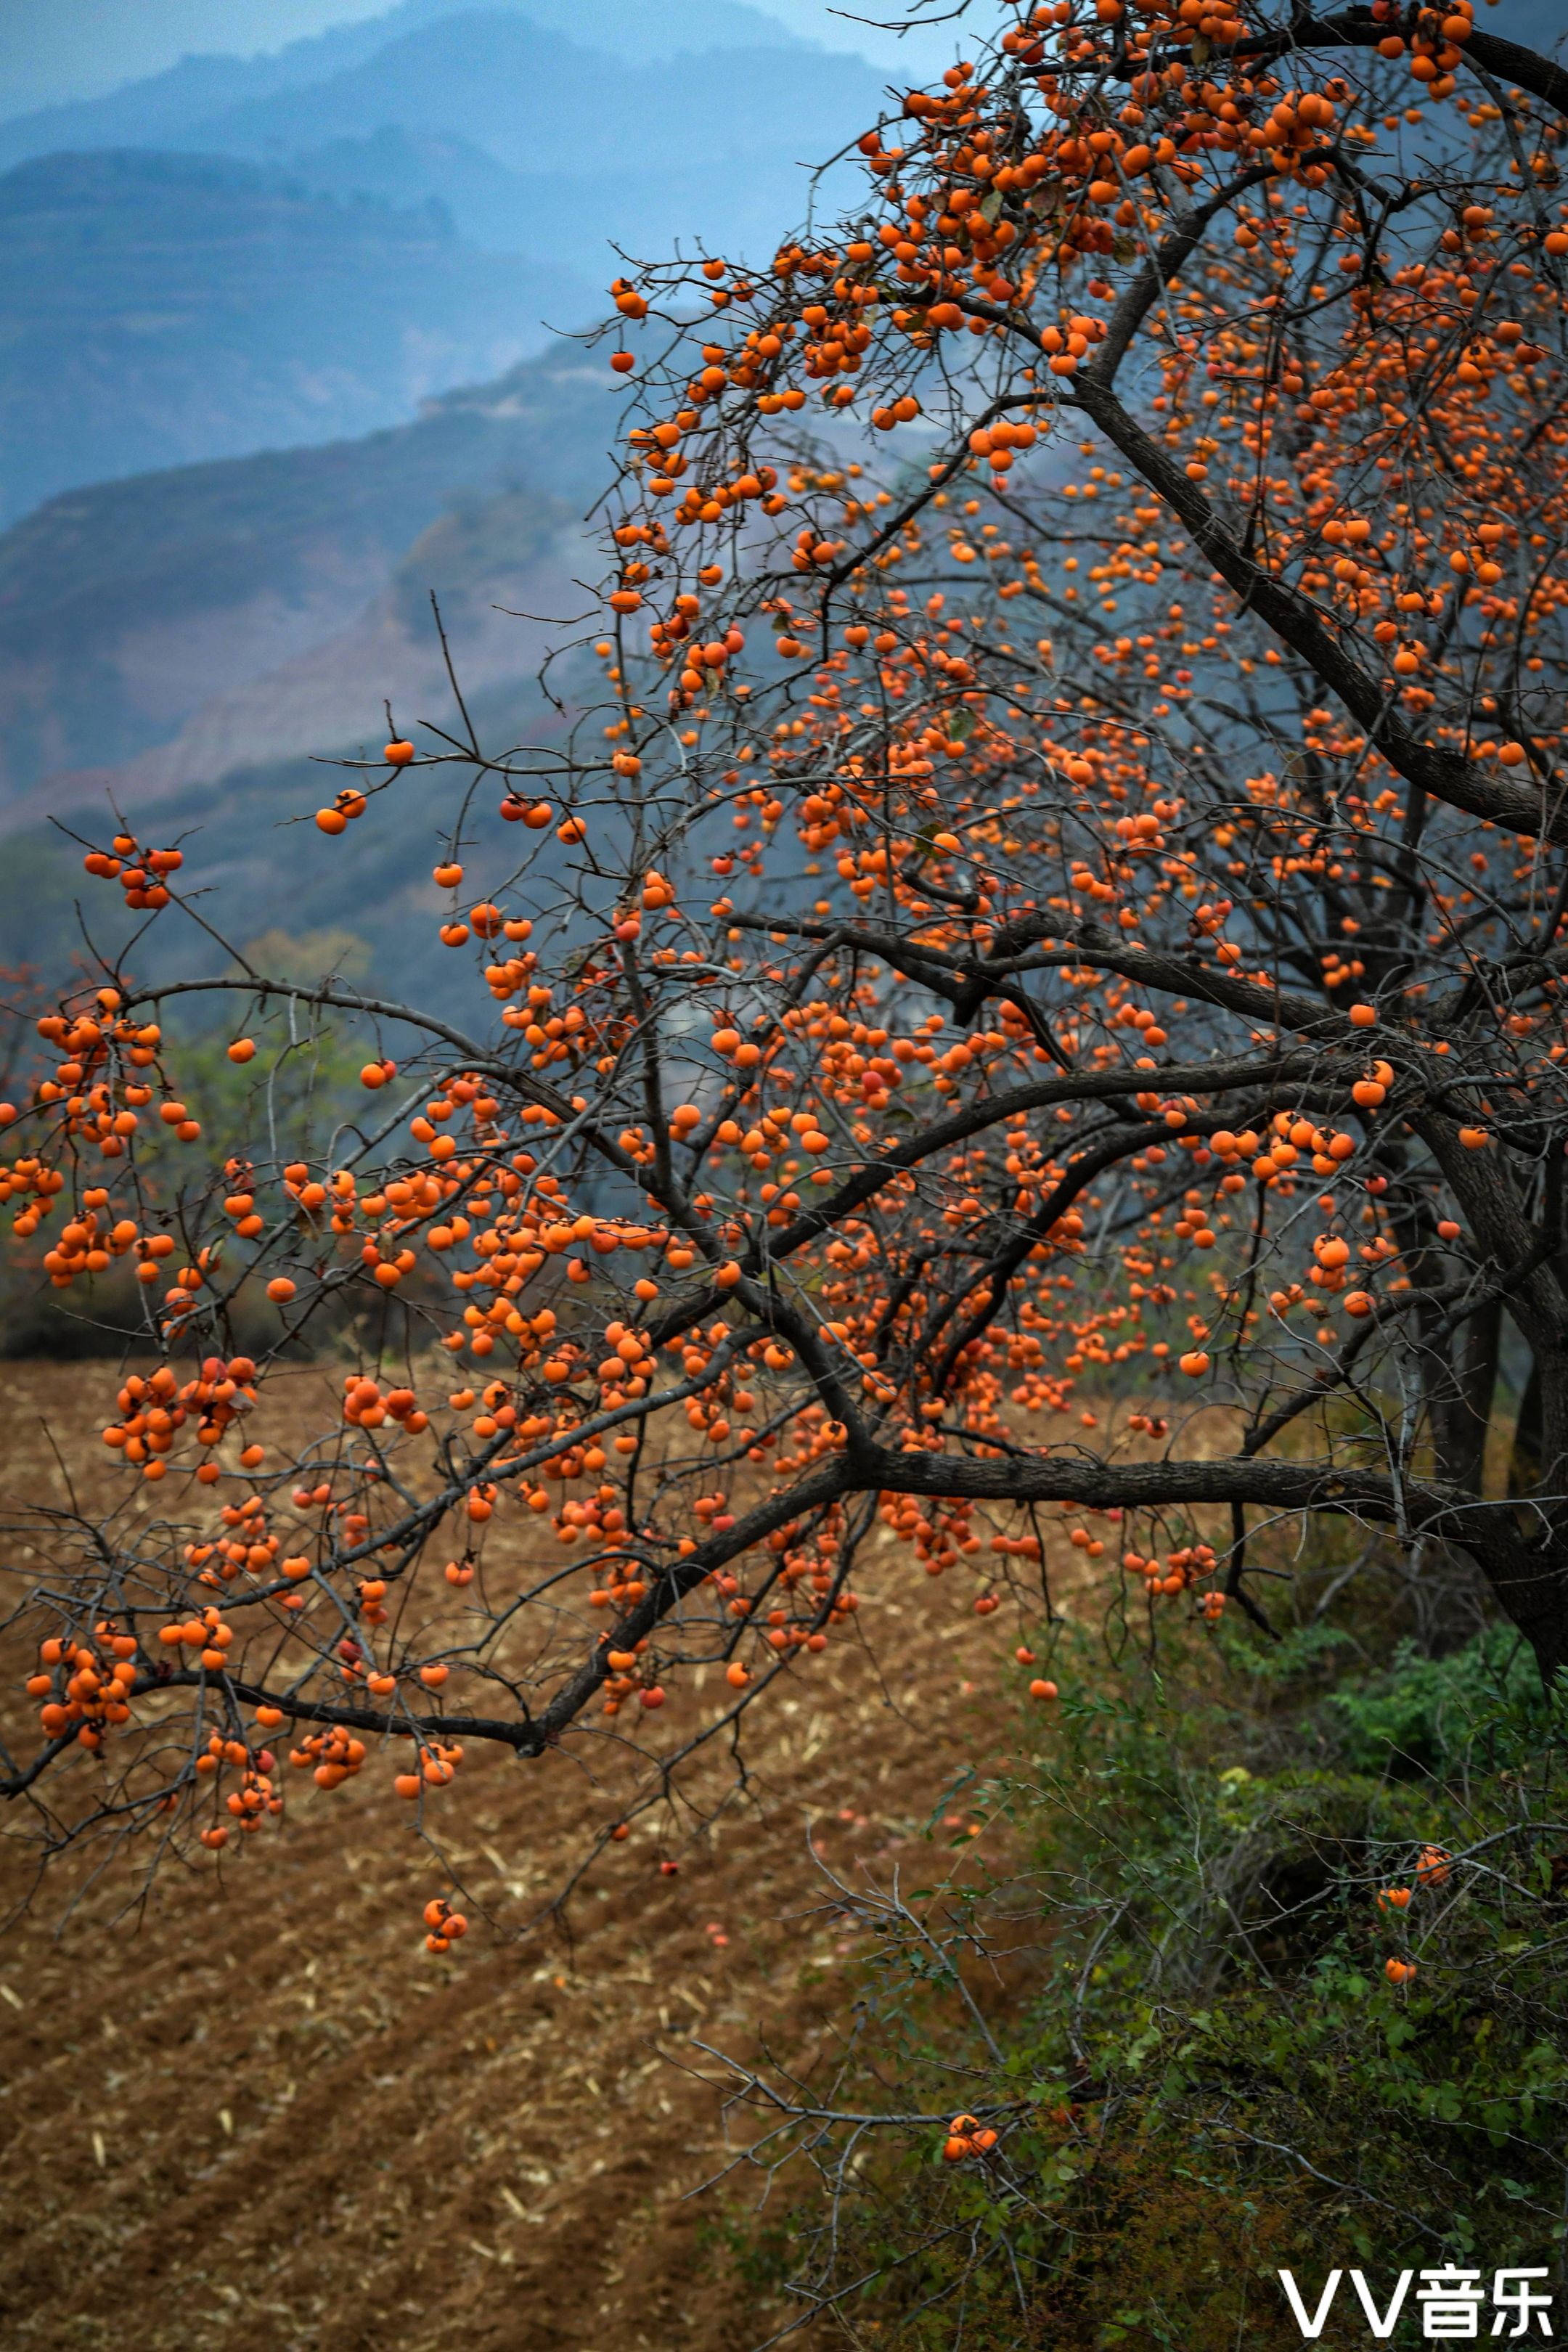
[1024,996]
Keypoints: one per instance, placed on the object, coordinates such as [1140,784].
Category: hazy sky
[54,49]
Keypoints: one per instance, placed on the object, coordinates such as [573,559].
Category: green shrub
[1432,1714]
[1170,2005]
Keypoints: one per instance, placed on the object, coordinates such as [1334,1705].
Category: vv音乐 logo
[1452,2302]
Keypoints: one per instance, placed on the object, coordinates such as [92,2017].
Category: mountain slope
[552,128]
[156,309]
[181,605]
[311,257]
[488,564]
[168,105]
[271,873]
[532,99]
[739,205]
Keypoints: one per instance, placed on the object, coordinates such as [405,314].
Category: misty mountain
[157,632]
[544,127]
[167,106]
[541,103]
[156,309]
[146,113]
[250,253]
[299,250]
[644,213]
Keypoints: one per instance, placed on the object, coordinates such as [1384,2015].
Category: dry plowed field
[250,2111]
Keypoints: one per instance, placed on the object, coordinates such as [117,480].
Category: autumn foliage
[1028,1000]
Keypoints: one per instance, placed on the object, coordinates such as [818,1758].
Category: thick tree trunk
[1524,1459]
[1519,1258]
[1463,1409]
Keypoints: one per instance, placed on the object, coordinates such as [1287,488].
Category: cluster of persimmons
[1019,1023]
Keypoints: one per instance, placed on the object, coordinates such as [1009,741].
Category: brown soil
[252,2113]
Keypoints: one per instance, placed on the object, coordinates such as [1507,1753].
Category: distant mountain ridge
[157,309]
[540,101]
[137,620]
[181,621]
[288,251]
[165,106]
[243,254]
[545,129]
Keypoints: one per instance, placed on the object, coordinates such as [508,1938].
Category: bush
[1434,1715]
[1173,2010]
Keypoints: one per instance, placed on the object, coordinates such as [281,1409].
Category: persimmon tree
[1026,996]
